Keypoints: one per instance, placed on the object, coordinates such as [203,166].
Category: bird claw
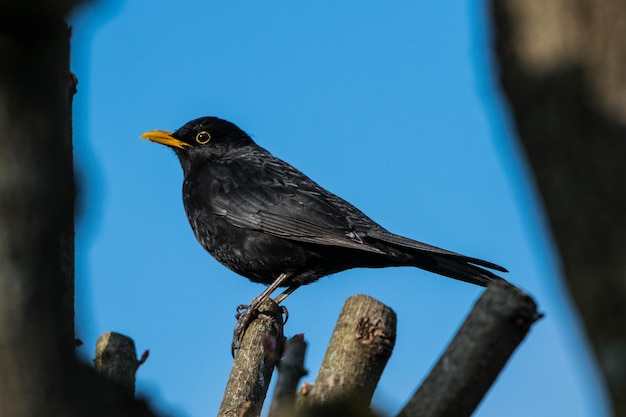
[245,315]
[285,313]
[241,309]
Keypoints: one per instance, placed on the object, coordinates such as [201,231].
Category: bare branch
[497,324]
[290,370]
[116,360]
[359,349]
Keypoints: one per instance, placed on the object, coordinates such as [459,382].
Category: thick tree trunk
[39,375]
[36,215]
[563,68]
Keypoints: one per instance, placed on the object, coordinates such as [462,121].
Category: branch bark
[358,351]
[497,324]
[254,363]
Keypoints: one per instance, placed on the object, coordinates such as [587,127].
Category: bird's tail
[462,268]
[442,261]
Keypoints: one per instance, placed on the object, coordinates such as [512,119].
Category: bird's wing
[269,195]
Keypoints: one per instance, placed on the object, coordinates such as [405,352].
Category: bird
[267,221]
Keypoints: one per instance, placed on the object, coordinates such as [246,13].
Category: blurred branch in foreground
[39,375]
[562,67]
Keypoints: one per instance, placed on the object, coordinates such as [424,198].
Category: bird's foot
[245,315]
[241,309]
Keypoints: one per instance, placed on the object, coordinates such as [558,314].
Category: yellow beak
[164,138]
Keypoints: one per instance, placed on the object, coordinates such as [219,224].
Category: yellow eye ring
[203,137]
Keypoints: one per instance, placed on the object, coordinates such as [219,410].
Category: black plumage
[267,221]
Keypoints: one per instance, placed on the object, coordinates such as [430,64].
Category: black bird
[267,221]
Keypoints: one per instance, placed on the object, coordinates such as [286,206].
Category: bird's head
[202,138]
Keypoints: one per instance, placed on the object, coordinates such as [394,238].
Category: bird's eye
[203,137]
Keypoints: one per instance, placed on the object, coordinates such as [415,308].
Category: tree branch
[359,349]
[497,324]
[290,370]
[116,360]
[254,363]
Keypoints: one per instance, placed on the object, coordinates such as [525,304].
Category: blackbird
[267,221]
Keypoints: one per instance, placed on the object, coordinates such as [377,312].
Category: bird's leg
[257,301]
[245,314]
[281,297]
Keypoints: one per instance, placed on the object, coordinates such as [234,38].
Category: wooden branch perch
[359,349]
[254,363]
[497,324]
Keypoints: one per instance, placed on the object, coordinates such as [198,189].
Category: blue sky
[392,106]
